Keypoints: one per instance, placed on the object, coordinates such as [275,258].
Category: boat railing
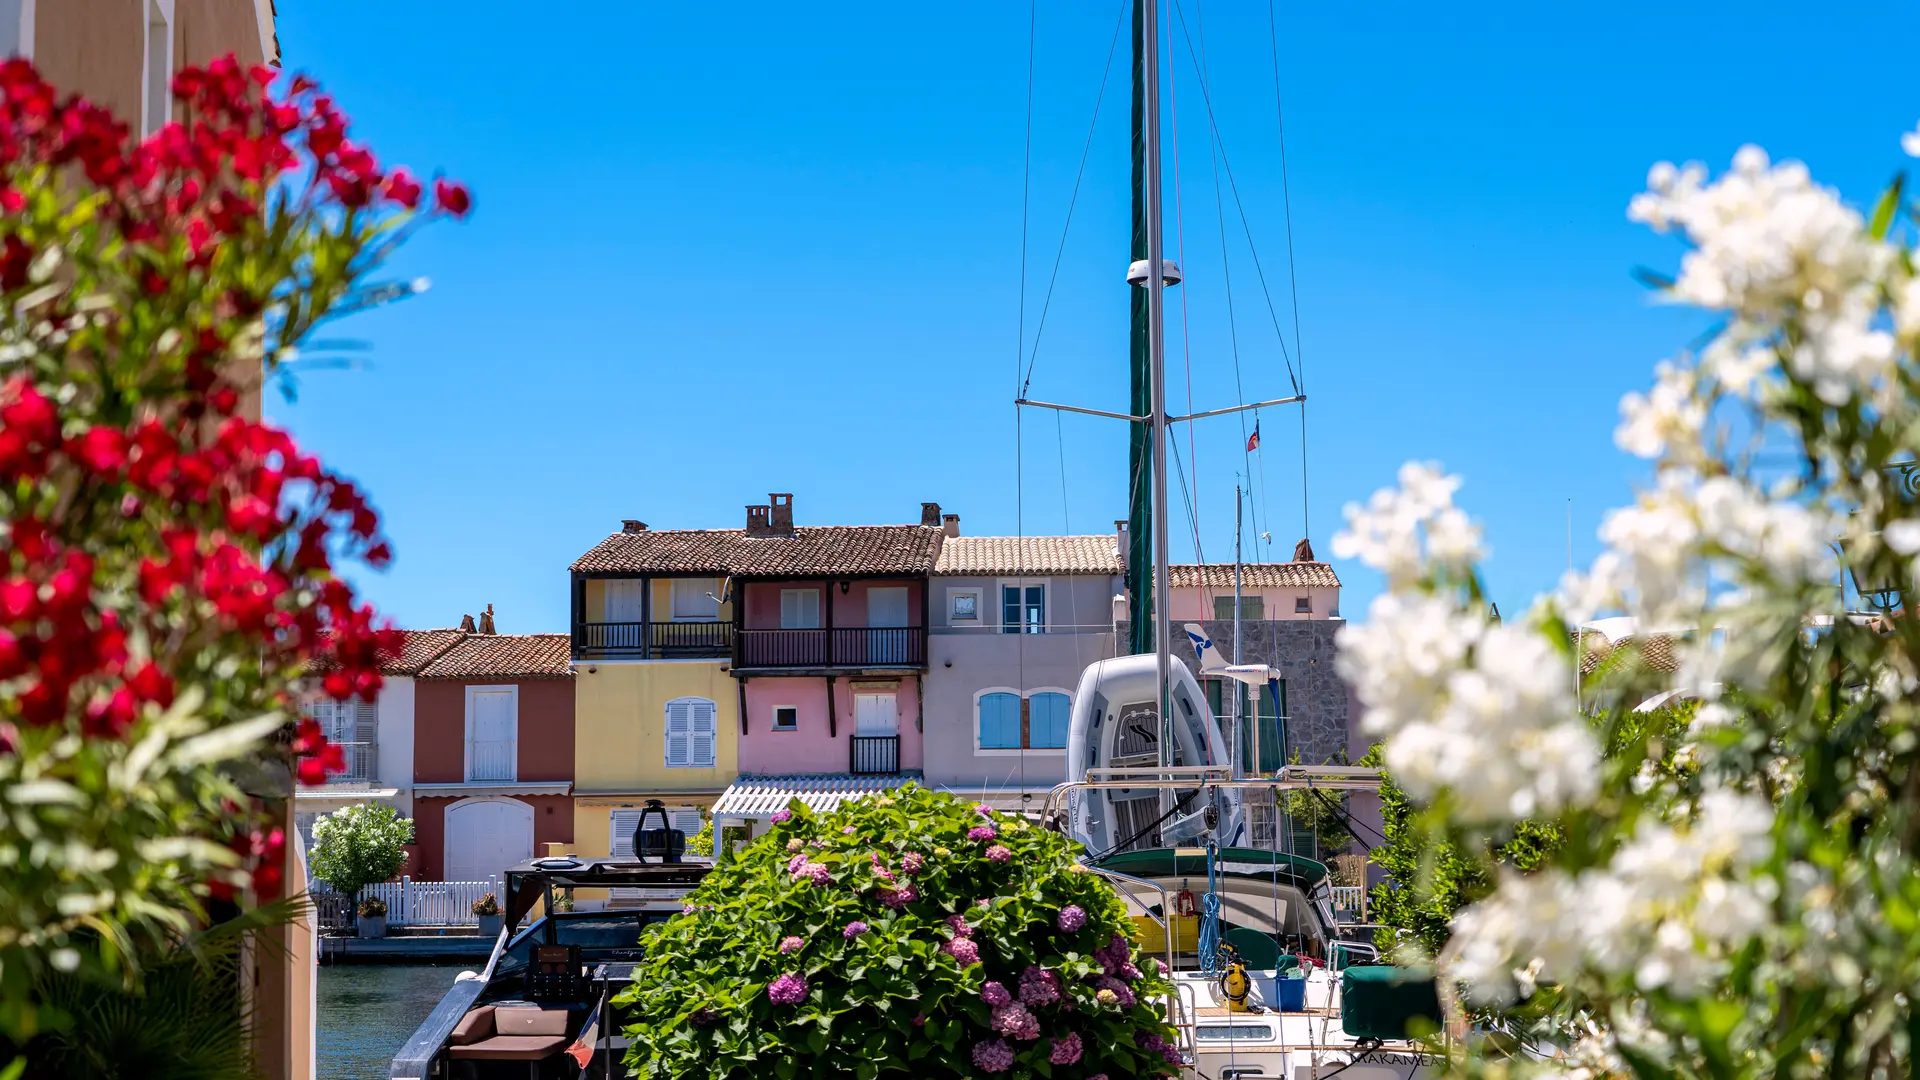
[415,1060]
[1288,778]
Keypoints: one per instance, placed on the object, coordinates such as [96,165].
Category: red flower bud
[149,683]
[452,198]
[102,449]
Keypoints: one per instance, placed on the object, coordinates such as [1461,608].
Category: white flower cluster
[1404,531]
[1767,240]
[1670,907]
[1484,711]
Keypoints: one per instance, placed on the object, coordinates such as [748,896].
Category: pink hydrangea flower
[1015,1022]
[1098,1076]
[854,929]
[999,853]
[963,950]
[995,994]
[1071,918]
[993,1056]
[788,989]
[983,810]
[812,871]
[912,862]
[848,831]
[959,925]
[1129,972]
[896,899]
[790,943]
[983,902]
[1106,997]
[1066,1049]
[794,864]
[795,844]
[781,817]
[1039,986]
[981,832]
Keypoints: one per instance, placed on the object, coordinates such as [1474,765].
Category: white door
[886,619]
[875,714]
[624,600]
[491,735]
[486,836]
[887,607]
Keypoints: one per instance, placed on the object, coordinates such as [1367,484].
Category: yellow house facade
[656,708]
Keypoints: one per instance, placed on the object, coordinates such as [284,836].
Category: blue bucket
[1292,994]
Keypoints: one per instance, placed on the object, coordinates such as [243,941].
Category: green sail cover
[1384,1002]
[1140,441]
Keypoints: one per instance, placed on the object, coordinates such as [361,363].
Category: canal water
[366,1012]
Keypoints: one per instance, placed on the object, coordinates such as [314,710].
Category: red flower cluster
[144,526]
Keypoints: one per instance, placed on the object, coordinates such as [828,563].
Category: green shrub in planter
[910,934]
[373,908]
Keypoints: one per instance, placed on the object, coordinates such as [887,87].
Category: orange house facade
[493,755]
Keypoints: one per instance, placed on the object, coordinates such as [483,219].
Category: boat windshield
[601,935]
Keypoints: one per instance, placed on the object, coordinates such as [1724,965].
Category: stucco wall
[1193,605]
[849,608]
[1084,603]
[962,666]
[546,735]
[552,823]
[809,748]
[97,47]
[620,710]
[396,739]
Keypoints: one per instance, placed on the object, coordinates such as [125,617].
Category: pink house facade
[830,645]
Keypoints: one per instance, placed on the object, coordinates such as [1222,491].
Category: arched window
[1049,716]
[691,733]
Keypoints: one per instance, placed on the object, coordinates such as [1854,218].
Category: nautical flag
[1253,440]
[582,1048]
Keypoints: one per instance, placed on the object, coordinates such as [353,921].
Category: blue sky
[721,251]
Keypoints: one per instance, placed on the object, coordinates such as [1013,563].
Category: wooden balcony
[870,755]
[841,647]
[652,640]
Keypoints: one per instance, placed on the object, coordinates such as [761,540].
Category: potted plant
[487,911]
[563,901]
[373,917]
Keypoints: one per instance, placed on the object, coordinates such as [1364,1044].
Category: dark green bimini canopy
[1297,870]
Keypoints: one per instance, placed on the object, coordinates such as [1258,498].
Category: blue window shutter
[999,722]
[1051,714]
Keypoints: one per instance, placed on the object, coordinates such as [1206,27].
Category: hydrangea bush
[1736,894]
[907,934]
[167,560]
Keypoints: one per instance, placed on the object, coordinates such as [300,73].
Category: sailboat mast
[1157,364]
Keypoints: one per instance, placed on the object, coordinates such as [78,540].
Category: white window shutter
[679,733]
[687,821]
[621,824]
[366,722]
[702,734]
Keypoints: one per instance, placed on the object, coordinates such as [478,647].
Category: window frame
[466,748]
[1253,607]
[712,732]
[774,718]
[1025,698]
[1303,605]
[979,597]
[1025,625]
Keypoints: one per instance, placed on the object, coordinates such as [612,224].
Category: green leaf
[1886,208]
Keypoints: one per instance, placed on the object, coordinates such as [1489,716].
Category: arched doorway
[485,836]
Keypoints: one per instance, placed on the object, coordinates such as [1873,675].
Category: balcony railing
[877,646]
[873,754]
[655,640]
[363,763]
[491,759]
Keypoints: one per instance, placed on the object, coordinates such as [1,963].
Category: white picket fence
[1349,903]
[410,902]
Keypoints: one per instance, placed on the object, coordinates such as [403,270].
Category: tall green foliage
[360,846]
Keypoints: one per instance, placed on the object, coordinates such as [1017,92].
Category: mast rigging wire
[1293,277]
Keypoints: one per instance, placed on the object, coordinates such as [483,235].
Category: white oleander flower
[1668,418]
[1401,531]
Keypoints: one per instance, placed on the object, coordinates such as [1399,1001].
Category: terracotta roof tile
[1029,555]
[832,549]
[423,647]
[1297,575]
[1656,650]
[505,656]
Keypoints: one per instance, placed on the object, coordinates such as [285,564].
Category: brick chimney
[630,525]
[1120,539]
[782,520]
[950,524]
[930,514]
[757,520]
